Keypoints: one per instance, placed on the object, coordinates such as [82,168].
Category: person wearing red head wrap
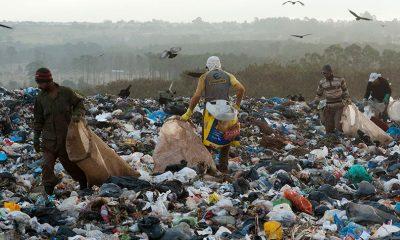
[55,107]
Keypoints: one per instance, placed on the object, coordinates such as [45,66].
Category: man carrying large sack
[55,107]
[218,117]
[334,90]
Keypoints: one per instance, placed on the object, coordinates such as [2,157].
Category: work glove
[36,143]
[237,107]
[386,99]
[313,104]
[185,117]
[347,102]
[76,118]
[365,102]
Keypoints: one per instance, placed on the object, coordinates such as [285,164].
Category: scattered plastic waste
[288,175]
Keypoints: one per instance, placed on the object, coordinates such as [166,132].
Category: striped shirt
[333,91]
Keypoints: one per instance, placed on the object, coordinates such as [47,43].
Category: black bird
[124,93]
[173,52]
[193,74]
[293,2]
[358,18]
[301,36]
[4,26]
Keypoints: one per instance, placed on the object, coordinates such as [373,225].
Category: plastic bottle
[273,230]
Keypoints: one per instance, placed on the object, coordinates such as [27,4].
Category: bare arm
[346,95]
[320,92]
[240,90]
[197,95]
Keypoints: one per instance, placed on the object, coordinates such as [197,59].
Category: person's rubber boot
[224,160]
[49,189]
[83,185]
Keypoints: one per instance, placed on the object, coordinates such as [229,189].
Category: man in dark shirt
[55,107]
[378,95]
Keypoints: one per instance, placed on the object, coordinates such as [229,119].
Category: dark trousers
[50,157]
[332,117]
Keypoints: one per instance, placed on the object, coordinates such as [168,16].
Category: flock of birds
[173,52]
[358,17]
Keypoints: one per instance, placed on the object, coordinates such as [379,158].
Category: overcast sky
[187,10]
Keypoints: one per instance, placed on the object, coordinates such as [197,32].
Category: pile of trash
[289,180]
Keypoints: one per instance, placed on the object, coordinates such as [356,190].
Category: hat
[327,68]
[221,110]
[213,63]
[43,74]
[374,76]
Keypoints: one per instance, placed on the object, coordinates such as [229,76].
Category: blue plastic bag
[3,156]
[157,116]
[394,131]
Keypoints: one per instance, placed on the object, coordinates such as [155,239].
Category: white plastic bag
[394,110]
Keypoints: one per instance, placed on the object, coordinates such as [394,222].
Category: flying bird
[193,74]
[301,36]
[4,26]
[294,2]
[358,18]
[173,52]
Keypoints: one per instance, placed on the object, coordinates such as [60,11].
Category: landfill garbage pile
[288,180]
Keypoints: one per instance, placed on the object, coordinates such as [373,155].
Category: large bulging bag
[394,110]
[354,120]
[177,142]
[97,160]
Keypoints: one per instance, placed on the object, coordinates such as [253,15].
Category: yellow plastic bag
[273,230]
[213,198]
[12,206]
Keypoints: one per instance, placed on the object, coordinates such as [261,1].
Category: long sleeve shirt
[333,91]
[53,115]
[378,89]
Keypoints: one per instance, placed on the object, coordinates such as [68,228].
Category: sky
[187,10]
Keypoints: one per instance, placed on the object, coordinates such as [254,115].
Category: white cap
[213,63]
[374,76]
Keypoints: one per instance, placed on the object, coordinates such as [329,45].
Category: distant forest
[261,53]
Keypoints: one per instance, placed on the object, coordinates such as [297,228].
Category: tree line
[281,78]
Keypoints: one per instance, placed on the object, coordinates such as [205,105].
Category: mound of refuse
[288,180]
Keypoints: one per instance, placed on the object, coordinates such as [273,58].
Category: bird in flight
[301,36]
[173,52]
[4,26]
[358,18]
[193,74]
[294,2]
